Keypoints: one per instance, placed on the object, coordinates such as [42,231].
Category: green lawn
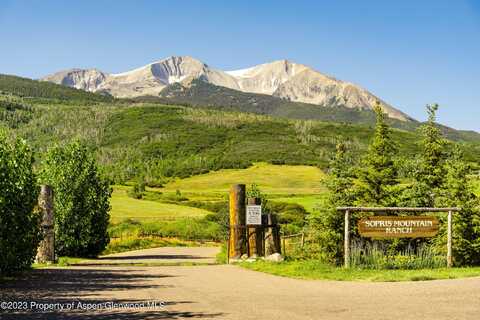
[125,207]
[476,184]
[274,179]
[317,271]
[309,202]
[62,262]
[281,183]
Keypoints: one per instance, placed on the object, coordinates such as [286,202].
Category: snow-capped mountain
[282,79]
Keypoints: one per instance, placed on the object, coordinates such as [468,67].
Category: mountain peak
[84,79]
[280,78]
[179,60]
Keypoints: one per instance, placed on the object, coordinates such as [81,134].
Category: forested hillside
[156,141]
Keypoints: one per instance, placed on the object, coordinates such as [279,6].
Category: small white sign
[254,215]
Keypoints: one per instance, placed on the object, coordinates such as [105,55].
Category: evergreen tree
[327,224]
[340,181]
[430,175]
[458,192]
[377,176]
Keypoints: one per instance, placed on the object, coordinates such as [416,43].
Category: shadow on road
[110,315]
[48,283]
[71,286]
[155,256]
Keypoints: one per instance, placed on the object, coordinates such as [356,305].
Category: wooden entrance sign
[411,227]
[398,227]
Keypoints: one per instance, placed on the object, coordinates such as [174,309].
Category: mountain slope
[202,94]
[151,140]
[156,141]
[282,79]
[198,94]
[83,79]
[297,82]
[147,80]
[24,87]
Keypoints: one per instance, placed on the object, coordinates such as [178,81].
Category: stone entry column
[46,249]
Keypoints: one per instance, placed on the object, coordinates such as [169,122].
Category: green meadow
[272,179]
[281,183]
[125,207]
[180,210]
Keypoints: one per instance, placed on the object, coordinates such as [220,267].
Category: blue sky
[409,53]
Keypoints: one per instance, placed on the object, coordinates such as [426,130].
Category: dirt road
[229,292]
[160,256]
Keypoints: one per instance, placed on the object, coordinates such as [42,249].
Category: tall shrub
[19,222]
[82,200]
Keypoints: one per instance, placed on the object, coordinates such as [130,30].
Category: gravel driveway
[230,292]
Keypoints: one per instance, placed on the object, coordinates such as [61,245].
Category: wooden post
[449,240]
[228,250]
[272,236]
[237,221]
[254,234]
[347,239]
[46,249]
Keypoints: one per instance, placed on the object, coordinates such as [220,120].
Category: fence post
[347,239]
[237,221]
[46,249]
[449,240]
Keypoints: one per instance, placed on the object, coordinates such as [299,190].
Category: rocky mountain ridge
[283,79]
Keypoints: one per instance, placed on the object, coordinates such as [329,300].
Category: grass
[376,256]
[183,228]
[283,179]
[314,270]
[309,202]
[476,184]
[141,224]
[221,257]
[62,262]
[161,212]
[125,207]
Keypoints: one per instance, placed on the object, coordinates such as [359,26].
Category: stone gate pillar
[46,250]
